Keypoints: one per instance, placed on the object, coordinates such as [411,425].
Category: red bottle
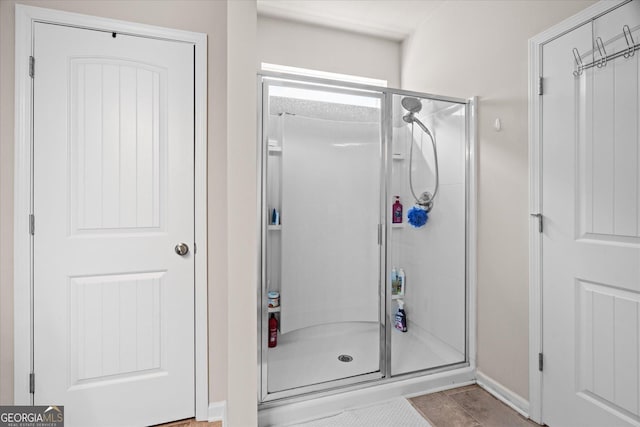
[397,211]
[273,331]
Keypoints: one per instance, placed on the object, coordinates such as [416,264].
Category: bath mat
[397,413]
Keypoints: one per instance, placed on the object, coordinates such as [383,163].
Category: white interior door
[591,239]
[113,195]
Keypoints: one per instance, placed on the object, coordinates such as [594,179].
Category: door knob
[182,249]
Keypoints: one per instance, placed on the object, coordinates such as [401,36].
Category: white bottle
[394,283]
[401,279]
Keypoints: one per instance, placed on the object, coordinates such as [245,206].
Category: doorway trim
[536,82]
[25,18]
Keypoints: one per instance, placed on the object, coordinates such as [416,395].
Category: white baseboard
[506,396]
[218,412]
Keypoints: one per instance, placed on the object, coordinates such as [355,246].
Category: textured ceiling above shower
[323,110]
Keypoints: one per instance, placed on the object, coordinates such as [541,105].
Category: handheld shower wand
[413,106]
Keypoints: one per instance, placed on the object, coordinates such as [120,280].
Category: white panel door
[113,195]
[591,240]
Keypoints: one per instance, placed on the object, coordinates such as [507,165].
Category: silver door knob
[182,249]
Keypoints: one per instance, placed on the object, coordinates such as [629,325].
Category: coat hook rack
[579,64]
[602,62]
[630,43]
[601,53]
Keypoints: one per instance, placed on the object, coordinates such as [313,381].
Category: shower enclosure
[335,158]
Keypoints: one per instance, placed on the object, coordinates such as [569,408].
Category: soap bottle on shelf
[273,331]
[401,282]
[394,282]
[273,299]
[275,217]
[401,317]
[397,211]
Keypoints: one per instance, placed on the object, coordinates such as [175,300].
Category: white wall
[471,48]
[242,211]
[308,46]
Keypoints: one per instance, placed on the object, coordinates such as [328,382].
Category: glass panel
[322,210]
[429,260]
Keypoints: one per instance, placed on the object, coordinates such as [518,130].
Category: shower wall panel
[330,216]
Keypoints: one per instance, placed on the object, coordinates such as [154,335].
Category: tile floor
[469,406]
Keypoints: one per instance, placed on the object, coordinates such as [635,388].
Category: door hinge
[540,91]
[540,362]
[380,234]
[32,383]
[32,224]
[195,248]
[539,216]
[32,66]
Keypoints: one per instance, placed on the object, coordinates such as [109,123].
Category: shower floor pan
[320,354]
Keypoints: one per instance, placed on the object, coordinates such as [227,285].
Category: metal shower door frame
[264,81]
[469,212]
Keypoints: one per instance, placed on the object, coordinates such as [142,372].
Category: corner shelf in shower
[274,227]
[274,147]
[397,156]
[397,225]
[274,309]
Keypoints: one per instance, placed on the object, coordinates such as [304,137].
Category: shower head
[412,105]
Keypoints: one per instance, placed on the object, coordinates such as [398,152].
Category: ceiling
[390,19]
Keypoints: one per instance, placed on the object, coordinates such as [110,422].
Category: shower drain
[345,358]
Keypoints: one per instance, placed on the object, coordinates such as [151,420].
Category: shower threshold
[301,408]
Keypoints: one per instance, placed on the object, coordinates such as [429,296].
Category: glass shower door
[431,256]
[322,163]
